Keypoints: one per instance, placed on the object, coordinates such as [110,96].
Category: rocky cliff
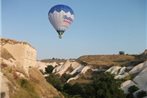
[19,77]
[22,52]
[134,76]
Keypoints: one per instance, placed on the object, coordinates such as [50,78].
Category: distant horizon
[90,55]
[80,55]
[100,27]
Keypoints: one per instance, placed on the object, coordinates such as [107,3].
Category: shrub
[49,69]
[65,77]
[141,94]
[121,52]
[74,89]
[55,81]
[103,86]
[129,96]
[132,89]
[107,87]
[23,83]
[26,90]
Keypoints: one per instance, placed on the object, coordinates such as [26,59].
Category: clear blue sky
[100,26]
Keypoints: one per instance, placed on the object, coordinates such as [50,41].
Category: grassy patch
[26,90]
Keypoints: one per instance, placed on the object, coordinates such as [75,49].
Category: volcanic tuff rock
[19,76]
[22,52]
[138,76]
[67,67]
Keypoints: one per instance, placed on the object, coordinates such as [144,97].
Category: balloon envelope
[61,16]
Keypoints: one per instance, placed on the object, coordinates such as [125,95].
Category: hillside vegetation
[106,60]
[20,86]
[57,60]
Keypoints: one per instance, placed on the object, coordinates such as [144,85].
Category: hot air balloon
[61,16]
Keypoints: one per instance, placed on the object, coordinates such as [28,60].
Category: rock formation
[19,76]
[138,76]
[22,52]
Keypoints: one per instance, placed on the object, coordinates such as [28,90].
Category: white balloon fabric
[61,16]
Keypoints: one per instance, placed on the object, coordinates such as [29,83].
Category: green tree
[141,94]
[107,87]
[55,81]
[49,69]
[75,89]
[121,52]
[129,95]
[132,89]
[65,77]
[103,86]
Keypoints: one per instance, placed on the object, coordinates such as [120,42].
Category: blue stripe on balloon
[60,7]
